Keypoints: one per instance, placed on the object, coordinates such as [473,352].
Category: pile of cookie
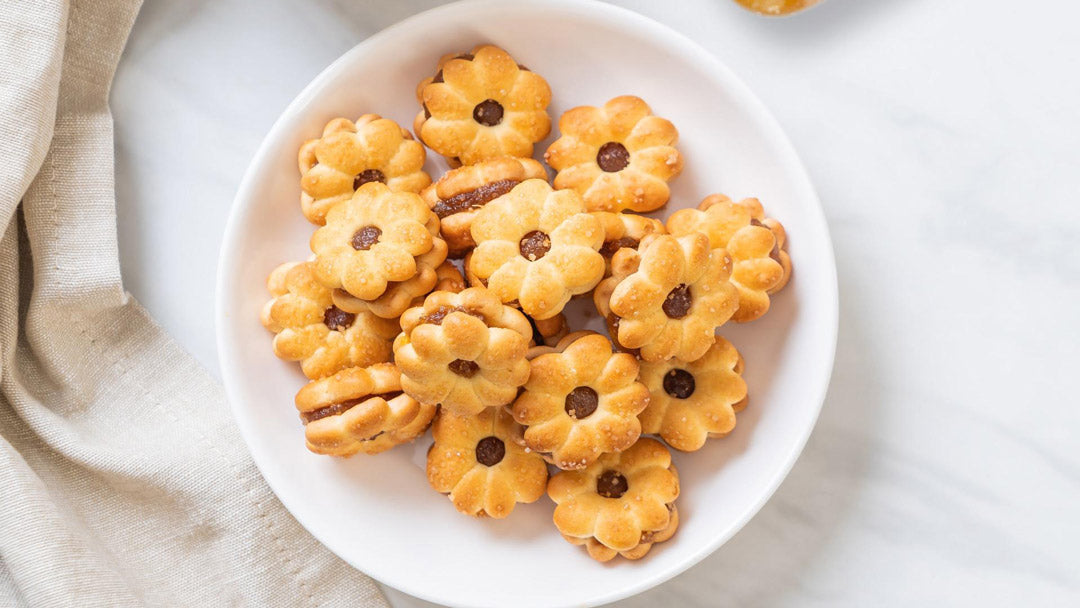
[395,338]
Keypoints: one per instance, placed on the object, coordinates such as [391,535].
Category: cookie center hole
[464,368]
[488,113]
[365,238]
[612,157]
[490,451]
[679,383]
[678,301]
[611,484]
[534,245]
[581,402]
[338,319]
[368,175]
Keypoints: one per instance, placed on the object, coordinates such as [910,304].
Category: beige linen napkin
[123,479]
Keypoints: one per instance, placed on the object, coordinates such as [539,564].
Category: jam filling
[581,402]
[610,247]
[464,368]
[679,383]
[436,316]
[534,245]
[490,451]
[337,319]
[613,157]
[488,113]
[368,175]
[473,199]
[611,484]
[342,407]
[678,301]
[366,237]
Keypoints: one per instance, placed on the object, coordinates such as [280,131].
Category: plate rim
[623,18]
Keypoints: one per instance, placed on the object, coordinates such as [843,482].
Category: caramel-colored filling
[337,409]
[473,199]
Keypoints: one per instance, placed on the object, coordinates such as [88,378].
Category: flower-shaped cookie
[694,400]
[311,330]
[475,460]
[482,105]
[754,242]
[536,247]
[617,157]
[625,230]
[623,504]
[581,401]
[465,351]
[379,246]
[459,194]
[360,409]
[348,155]
[668,296]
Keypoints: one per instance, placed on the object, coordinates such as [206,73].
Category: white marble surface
[944,139]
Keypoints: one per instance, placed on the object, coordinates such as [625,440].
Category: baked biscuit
[622,230]
[448,278]
[482,105]
[459,194]
[310,329]
[692,401]
[465,351]
[623,504]
[536,247]
[581,401]
[617,157]
[360,409]
[548,332]
[667,297]
[755,243]
[476,462]
[381,247]
[348,155]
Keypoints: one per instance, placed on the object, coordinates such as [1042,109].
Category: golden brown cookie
[755,243]
[622,230]
[581,401]
[311,330]
[476,462]
[465,351]
[360,409]
[459,194]
[617,157]
[548,332]
[667,297]
[692,401]
[623,504]
[348,155]
[381,247]
[482,105]
[537,248]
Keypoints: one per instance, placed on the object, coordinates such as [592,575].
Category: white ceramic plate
[378,513]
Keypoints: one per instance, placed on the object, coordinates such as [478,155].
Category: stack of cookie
[395,338]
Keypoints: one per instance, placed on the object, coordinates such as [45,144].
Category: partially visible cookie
[625,230]
[465,351]
[667,297]
[581,401]
[482,105]
[476,462]
[459,194]
[360,409]
[618,156]
[348,155]
[548,332]
[761,266]
[692,401]
[622,504]
[309,328]
[536,248]
[380,247]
